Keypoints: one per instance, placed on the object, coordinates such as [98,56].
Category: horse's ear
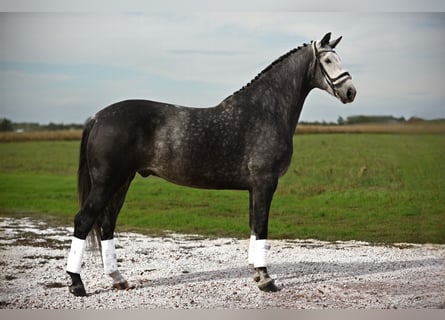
[334,43]
[325,40]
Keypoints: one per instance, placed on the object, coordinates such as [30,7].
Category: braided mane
[277,61]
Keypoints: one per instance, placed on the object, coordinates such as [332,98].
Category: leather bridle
[333,82]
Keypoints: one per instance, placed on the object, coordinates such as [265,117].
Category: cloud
[200,57]
[206,52]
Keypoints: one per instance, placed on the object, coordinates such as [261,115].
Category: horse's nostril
[351,93]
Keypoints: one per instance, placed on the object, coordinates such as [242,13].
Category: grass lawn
[375,187]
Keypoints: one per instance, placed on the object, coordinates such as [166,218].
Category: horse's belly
[202,176]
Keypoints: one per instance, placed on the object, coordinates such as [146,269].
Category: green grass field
[375,187]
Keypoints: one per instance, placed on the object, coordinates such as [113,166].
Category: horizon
[300,122]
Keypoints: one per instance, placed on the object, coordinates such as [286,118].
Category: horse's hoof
[268,285]
[78,290]
[121,285]
[256,276]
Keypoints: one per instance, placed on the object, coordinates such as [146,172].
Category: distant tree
[340,121]
[6,125]
[415,119]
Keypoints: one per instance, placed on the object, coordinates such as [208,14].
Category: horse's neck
[280,90]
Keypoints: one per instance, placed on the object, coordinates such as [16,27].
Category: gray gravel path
[180,271]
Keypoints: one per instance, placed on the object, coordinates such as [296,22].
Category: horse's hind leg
[108,225]
[96,202]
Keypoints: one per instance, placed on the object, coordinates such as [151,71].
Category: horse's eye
[328,61]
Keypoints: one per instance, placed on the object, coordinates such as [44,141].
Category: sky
[65,66]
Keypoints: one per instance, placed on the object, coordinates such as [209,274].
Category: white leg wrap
[75,256]
[261,249]
[109,256]
[251,249]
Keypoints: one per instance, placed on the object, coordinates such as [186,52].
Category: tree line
[8,125]
[362,119]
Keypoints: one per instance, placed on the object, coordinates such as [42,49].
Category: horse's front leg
[261,276]
[260,200]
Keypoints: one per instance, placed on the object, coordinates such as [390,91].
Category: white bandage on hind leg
[117,277]
[251,255]
[109,256]
[261,249]
[75,256]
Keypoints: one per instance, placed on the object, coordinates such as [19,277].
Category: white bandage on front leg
[261,249]
[75,256]
[109,256]
[251,255]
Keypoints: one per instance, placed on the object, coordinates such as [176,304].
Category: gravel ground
[182,271]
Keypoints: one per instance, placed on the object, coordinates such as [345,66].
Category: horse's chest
[272,155]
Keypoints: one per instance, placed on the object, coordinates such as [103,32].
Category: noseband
[333,82]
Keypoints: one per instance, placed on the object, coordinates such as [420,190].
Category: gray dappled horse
[243,143]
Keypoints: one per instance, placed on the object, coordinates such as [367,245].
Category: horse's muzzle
[347,92]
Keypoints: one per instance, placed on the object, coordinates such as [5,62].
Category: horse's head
[328,72]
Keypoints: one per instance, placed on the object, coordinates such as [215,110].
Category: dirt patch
[178,271]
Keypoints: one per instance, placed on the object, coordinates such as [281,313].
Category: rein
[333,82]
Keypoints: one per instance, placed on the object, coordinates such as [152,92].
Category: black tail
[84,182]
[83,174]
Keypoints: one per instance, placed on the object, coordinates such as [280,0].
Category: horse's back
[134,112]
